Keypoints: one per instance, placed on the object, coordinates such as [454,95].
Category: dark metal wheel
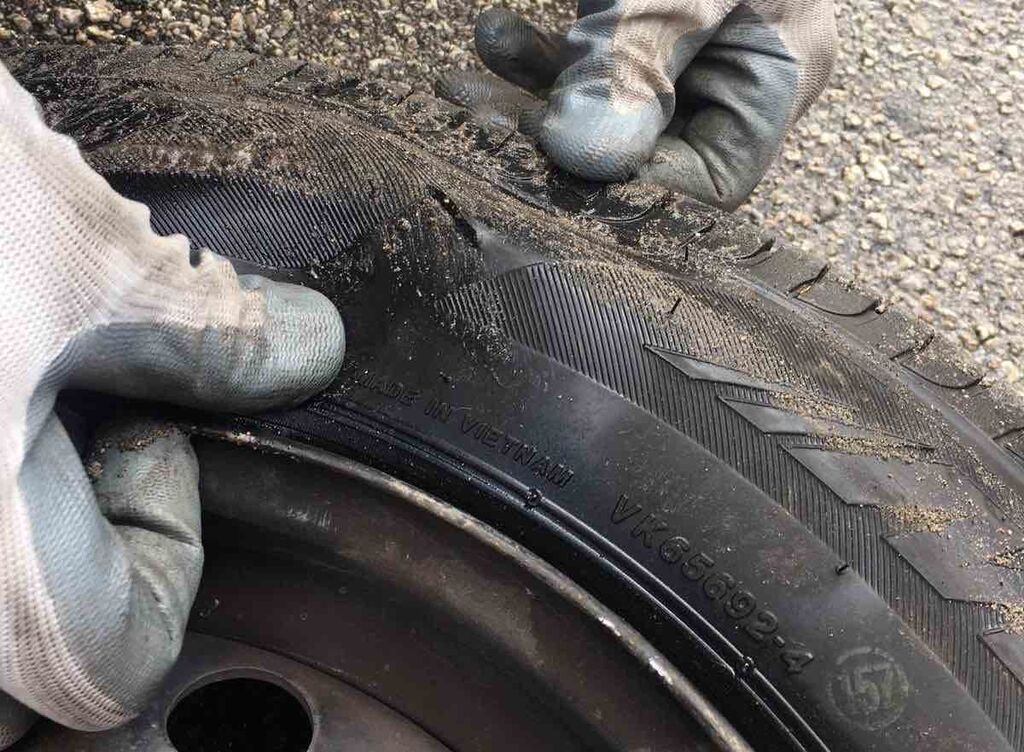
[395,622]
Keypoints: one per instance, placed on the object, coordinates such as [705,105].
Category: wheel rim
[403,623]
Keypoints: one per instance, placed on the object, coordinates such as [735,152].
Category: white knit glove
[97,578]
[695,95]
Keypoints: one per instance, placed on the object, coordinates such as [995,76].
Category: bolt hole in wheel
[239,714]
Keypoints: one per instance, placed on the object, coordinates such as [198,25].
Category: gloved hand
[97,578]
[694,95]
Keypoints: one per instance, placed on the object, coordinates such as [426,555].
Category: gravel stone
[879,220]
[918,140]
[99,12]
[69,18]
[99,34]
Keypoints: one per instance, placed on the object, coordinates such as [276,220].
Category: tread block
[521,170]
[788,271]
[686,222]
[366,96]
[838,297]
[625,202]
[892,333]
[994,407]
[942,363]
[133,60]
[621,203]
[631,211]
[695,214]
[315,79]
[226,62]
[1009,649]
[740,240]
[220,63]
[265,72]
[427,117]
[863,480]
[958,562]
[188,55]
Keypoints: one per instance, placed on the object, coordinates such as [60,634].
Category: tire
[809,502]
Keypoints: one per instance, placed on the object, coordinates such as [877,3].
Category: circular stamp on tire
[868,687]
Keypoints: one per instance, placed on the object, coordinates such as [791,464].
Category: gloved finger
[741,95]
[608,108]
[15,720]
[92,610]
[519,52]
[146,484]
[727,145]
[491,100]
[195,333]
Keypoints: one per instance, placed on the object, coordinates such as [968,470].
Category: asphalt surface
[908,174]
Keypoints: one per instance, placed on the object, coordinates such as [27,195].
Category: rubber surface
[806,500]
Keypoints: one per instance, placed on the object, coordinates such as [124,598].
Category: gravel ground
[908,173]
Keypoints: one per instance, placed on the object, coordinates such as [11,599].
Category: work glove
[694,95]
[98,569]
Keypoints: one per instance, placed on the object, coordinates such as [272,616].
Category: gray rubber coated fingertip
[499,33]
[596,141]
[513,49]
[309,340]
